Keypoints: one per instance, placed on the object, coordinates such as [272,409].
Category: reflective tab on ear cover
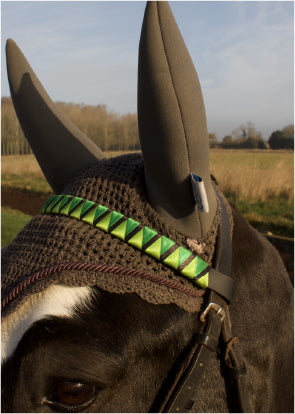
[200,193]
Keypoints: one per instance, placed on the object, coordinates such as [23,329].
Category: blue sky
[86,52]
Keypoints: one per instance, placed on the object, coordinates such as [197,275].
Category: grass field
[12,221]
[254,175]
[259,183]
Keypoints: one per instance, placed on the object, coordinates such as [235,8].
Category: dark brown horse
[105,293]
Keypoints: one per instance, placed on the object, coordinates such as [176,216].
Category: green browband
[132,232]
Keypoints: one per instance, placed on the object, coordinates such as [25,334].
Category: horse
[138,287]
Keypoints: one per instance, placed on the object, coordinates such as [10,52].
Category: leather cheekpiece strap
[215,332]
[183,397]
[207,340]
[222,284]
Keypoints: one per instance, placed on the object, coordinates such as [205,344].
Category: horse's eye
[71,396]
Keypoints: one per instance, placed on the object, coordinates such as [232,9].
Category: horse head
[103,291]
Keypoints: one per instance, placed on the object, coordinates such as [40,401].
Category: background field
[259,183]
[12,222]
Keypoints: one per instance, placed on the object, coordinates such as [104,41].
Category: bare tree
[245,131]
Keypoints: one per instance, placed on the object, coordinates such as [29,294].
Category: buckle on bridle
[219,310]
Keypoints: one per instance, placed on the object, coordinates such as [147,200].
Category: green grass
[27,182]
[276,215]
[12,221]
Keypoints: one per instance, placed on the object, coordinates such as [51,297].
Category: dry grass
[20,165]
[27,164]
[249,175]
[254,175]
[255,184]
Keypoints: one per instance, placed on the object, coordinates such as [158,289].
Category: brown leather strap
[235,369]
[216,326]
[234,361]
[183,396]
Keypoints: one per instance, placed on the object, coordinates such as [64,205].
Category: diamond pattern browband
[143,238]
[131,231]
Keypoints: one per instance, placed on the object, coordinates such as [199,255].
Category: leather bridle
[214,336]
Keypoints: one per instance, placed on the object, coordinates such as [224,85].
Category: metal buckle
[219,310]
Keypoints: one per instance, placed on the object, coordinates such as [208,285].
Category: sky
[87,51]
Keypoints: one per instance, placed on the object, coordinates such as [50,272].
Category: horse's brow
[55,301]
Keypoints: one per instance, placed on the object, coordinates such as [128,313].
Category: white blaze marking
[55,301]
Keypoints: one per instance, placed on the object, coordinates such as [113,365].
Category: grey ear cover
[172,124]
[59,146]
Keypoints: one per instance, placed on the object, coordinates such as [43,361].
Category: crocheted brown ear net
[48,240]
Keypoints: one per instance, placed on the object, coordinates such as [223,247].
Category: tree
[242,143]
[245,131]
[227,140]
[108,130]
[281,140]
[212,139]
[253,143]
[289,129]
[262,144]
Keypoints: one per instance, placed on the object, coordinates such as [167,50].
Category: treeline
[282,139]
[13,141]
[110,131]
[243,143]
[247,137]
[113,132]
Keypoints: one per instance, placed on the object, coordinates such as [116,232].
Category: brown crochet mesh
[117,183]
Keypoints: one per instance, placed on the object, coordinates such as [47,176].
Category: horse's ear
[172,126]
[59,146]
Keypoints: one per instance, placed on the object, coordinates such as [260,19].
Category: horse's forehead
[57,300]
